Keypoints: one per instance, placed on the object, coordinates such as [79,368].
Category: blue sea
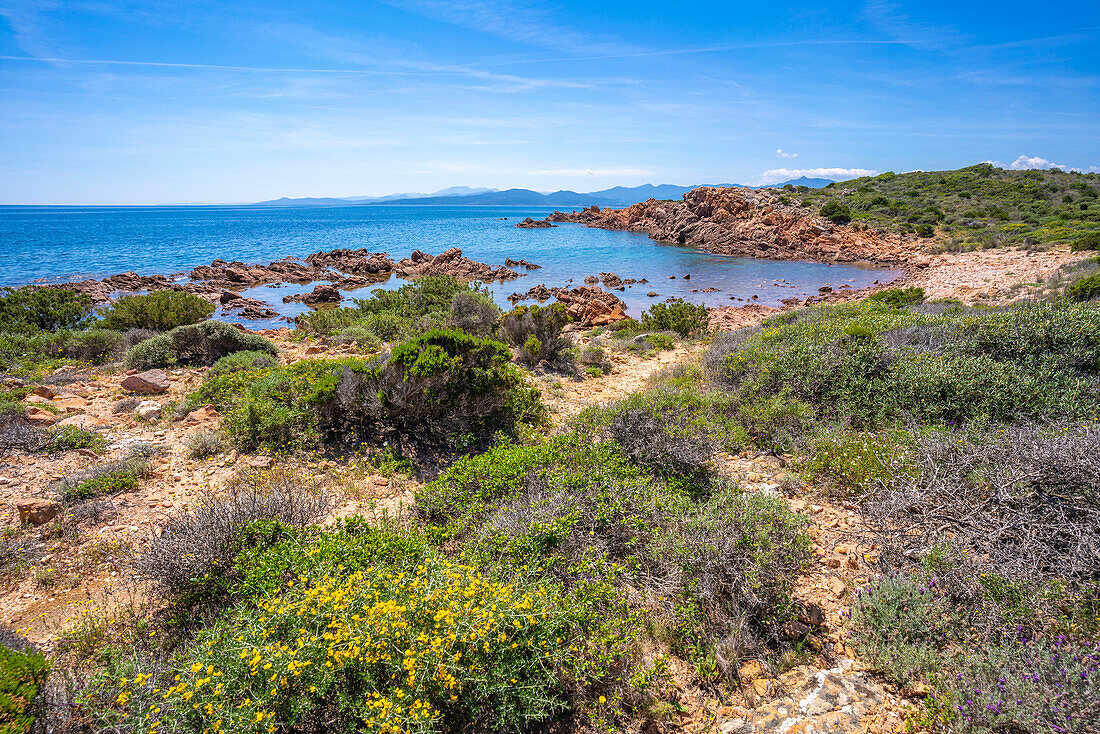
[54,244]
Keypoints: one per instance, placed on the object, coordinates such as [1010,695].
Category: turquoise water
[63,243]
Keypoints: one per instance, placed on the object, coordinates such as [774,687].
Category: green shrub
[474,312]
[898,297]
[1088,241]
[447,383]
[22,673]
[158,311]
[237,361]
[92,345]
[925,230]
[1085,289]
[405,641]
[196,344]
[902,627]
[686,319]
[836,212]
[869,365]
[593,515]
[43,309]
[416,299]
[359,336]
[595,357]
[122,475]
[432,390]
[67,438]
[536,332]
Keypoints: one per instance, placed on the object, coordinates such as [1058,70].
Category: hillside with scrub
[423,514]
[970,208]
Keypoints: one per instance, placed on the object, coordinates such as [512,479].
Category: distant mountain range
[617,196]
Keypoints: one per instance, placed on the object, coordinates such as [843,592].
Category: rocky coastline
[749,223]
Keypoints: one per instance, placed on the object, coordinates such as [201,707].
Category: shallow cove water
[70,243]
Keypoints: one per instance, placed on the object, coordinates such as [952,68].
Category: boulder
[610,280]
[204,415]
[148,410]
[37,511]
[85,421]
[40,417]
[150,382]
[529,223]
[44,391]
[322,293]
[589,306]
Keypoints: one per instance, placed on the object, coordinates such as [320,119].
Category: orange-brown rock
[451,262]
[590,306]
[747,223]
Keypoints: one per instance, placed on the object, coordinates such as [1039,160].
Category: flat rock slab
[838,701]
[150,382]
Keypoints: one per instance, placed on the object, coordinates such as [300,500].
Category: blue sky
[113,102]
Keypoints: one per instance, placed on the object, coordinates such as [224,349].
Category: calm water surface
[71,243]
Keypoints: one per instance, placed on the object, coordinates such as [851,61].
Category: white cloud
[776,175]
[780,154]
[596,172]
[1036,163]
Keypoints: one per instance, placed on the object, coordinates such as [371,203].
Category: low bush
[28,310]
[536,333]
[126,405]
[647,440]
[898,297]
[448,383]
[23,671]
[1022,506]
[590,515]
[158,311]
[1026,687]
[1086,242]
[417,299]
[1085,289]
[67,438]
[204,444]
[401,641]
[237,361]
[474,312]
[197,344]
[869,365]
[595,356]
[686,319]
[193,558]
[902,627]
[836,212]
[122,475]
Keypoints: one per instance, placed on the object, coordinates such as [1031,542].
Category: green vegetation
[23,671]
[971,208]
[157,311]
[869,365]
[1090,241]
[686,319]
[444,389]
[32,310]
[195,344]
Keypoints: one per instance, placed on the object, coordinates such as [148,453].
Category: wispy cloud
[776,175]
[889,19]
[618,172]
[780,154]
[516,20]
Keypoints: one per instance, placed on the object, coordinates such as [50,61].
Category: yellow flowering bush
[373,650]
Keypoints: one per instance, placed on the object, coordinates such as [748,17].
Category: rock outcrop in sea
[747,223]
